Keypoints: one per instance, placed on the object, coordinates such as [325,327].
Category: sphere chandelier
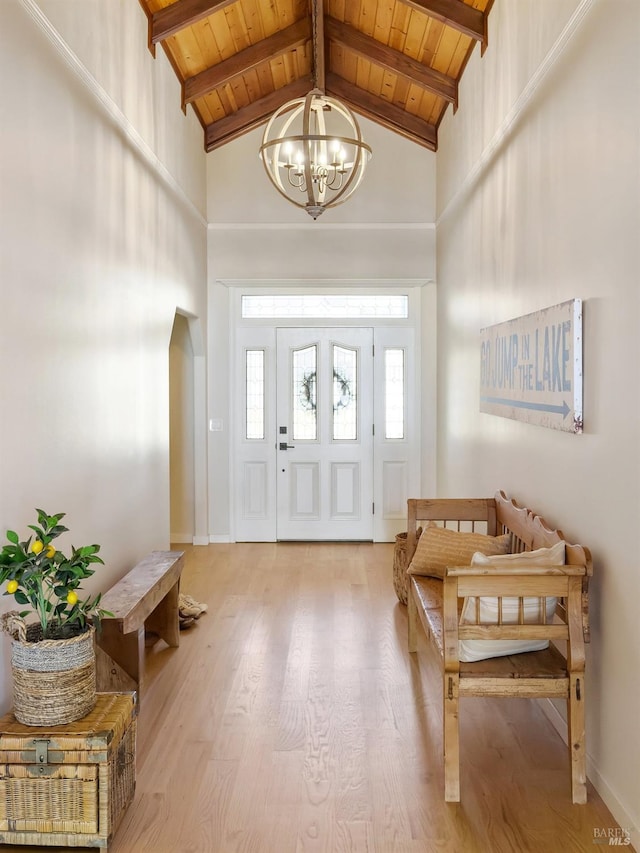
[313,152]
[312,148]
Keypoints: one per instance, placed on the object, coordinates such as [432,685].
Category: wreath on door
[342,395]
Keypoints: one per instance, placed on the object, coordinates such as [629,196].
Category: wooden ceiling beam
[393,60]
[319,70]
[170,20]
[232,126]
[456,14]
[384,113]
[218,75]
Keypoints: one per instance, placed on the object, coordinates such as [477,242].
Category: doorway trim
[260,333]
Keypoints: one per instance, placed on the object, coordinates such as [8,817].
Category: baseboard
[190,539]
[611,801]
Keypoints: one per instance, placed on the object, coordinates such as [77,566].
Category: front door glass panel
[304,379]
[345,394]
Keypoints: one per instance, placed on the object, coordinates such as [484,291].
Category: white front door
[340,479]
[324,433]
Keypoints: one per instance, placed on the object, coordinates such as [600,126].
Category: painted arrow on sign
[563,410]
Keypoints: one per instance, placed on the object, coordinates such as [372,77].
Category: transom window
[390,306]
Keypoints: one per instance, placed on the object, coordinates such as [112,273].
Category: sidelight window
[394,393]
[254,394]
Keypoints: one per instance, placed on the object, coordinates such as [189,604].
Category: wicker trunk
[68,785]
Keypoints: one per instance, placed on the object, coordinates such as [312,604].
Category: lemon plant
[40,575]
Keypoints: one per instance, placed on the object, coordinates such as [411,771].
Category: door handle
[285,446]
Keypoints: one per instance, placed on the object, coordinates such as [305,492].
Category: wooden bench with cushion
[497,606]
[144,600]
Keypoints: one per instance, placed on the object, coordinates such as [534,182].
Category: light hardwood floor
[293,720]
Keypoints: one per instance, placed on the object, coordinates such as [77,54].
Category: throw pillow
[439,547]
[553,556]
[472,650]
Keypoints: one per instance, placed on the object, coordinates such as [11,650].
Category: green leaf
[86,550]
[20,597]
[12,536]
[13,554]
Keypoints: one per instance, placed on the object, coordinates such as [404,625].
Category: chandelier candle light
[312,148]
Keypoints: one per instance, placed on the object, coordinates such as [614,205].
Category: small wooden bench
[436,604]
[144,600]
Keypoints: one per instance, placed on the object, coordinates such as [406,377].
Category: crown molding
[275,284]
[305,225]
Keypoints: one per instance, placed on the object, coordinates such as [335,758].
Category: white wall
[384,233]
[102,238]
[539,202]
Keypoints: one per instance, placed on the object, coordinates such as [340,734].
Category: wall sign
[531,368]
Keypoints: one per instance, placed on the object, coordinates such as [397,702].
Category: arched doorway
[187,437]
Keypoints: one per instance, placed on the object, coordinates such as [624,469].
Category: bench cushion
[439,547]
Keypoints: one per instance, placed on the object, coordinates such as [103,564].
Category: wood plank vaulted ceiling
[397,62]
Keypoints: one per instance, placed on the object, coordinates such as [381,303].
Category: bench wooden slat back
[479,512]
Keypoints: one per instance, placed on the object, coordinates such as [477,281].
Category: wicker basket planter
[54,681]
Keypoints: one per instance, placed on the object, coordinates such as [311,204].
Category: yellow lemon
[37,546]
[50,551]
[72,598]
[12,586]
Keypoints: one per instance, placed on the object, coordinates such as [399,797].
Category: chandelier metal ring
[313,152]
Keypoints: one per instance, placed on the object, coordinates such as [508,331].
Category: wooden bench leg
[451,738]
[412,617]
[576,732]
[165,619]
[127,650]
